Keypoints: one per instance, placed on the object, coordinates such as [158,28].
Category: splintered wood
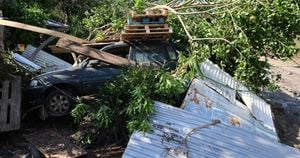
[93,53]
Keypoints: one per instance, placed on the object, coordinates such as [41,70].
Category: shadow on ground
[286,115]
[50,137]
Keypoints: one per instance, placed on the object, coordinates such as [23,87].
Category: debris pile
[219,117]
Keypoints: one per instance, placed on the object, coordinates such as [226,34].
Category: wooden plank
[40,30]
[1,34]
[3,105]
[144,33]
[58,50]
[144,37]
[37,50]
[15,104]
[100,43]
[143,26]
[148,29]
[151,13]
[94,53]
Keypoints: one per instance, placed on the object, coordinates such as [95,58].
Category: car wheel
[58,103]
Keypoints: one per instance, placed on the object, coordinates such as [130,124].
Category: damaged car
[55,91]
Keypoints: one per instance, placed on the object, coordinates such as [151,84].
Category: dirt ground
[285,102]
[51,138]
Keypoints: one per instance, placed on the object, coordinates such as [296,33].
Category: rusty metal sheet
[181,133]
[207,102]
[257,106]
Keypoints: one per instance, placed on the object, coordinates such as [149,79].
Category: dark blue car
[56,90]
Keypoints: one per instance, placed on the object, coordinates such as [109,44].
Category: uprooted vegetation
[125,104]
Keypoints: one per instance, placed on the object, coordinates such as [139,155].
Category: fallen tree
[125,104]
[233,34]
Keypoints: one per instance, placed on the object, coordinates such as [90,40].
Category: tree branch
[209,10]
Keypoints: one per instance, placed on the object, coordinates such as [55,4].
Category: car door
[95,74]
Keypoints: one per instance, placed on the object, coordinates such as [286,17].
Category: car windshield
[149,53]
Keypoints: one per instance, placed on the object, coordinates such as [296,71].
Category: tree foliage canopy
[236,34]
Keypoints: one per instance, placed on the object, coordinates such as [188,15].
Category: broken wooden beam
[58,50]
[40,30]
[1,34]
[93,53]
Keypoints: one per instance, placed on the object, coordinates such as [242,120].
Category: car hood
[60,75]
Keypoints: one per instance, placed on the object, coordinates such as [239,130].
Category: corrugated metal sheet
[208,103]
[181,133]
[218,78]
[47,61]
[25,63]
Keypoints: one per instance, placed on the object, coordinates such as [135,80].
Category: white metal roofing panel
[25,63]
[172,137]
[258,107]
[210,104]
[47,61]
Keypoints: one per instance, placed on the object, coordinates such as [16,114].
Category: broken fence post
[10,104]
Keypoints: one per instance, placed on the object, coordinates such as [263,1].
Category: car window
[117,50]
[171,53]
[149,53]
[141,57]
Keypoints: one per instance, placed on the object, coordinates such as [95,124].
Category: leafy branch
[237,33]
[126,103]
